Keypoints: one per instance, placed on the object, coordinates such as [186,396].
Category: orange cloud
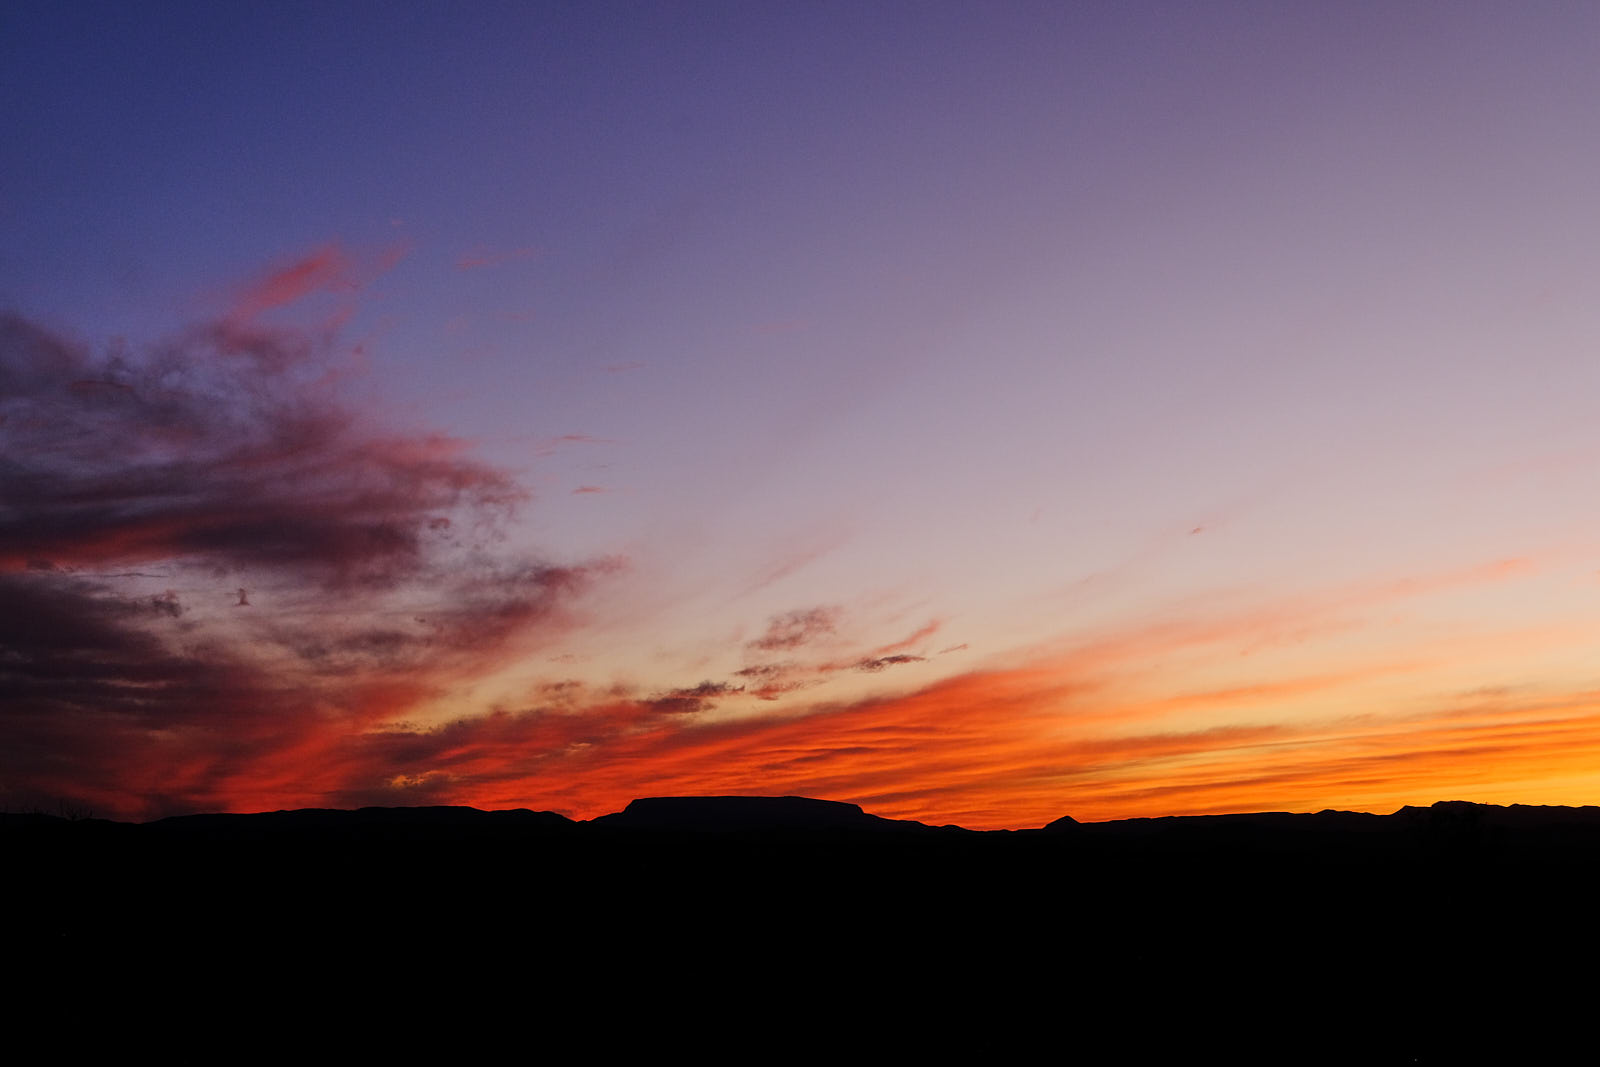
[1001,748]
[1022,745]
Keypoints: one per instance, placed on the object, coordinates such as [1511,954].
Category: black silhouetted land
[766,928]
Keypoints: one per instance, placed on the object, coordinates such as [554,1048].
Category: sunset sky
[980,412]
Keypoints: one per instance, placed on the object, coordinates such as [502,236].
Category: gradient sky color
[979,412]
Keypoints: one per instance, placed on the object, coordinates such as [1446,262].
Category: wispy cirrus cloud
[921,634]
[549,446]
[328,269]
[987,749]
[1020,745]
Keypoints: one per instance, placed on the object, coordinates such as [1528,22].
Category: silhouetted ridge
[749,813]
[805,813]
[1197,929]
[337,818]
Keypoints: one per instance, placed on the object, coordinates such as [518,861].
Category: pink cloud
[922,634]
[326,269]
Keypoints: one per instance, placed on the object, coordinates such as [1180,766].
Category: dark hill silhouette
[364,821]
[739,813]
[785,922]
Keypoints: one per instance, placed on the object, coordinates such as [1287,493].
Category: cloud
[327,269]
[1020,745]
[794,559]
[796,628]
[120,703]
[145,496]
[548,446]
[212,449]
[140,492]
[873,666]
[457,621]
[993,749]
[127,693]
[698,698]
[922,634]
[769,681]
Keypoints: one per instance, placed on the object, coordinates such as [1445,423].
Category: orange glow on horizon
[984,750]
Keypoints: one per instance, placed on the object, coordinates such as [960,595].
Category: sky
[979,412]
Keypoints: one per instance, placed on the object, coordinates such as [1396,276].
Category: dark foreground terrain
[781,929]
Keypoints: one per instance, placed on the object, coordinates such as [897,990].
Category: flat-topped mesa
[747,813]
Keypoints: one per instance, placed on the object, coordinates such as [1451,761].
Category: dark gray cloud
[793,629]
[769,681]
[363,560]
[228,446]
[695,699]
[872,666]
